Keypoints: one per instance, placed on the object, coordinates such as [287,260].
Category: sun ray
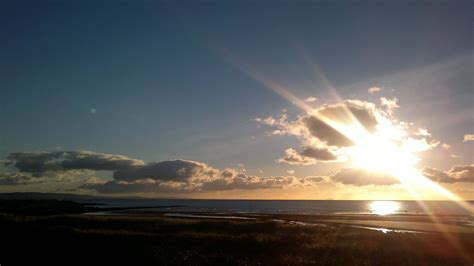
[372,151]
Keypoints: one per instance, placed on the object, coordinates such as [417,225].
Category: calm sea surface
[293,206]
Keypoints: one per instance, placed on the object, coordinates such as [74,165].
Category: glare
[388,150]
[377,153]
[384,207]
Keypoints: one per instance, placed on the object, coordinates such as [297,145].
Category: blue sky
[152,80]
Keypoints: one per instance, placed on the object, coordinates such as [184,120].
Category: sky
[238,99]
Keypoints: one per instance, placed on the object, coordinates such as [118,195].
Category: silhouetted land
[45,239]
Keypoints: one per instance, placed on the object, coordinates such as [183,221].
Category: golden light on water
[384,207]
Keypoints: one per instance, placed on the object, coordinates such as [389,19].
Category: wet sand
[391,223]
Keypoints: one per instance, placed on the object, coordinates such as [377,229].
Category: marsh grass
[67,239]
[177,241]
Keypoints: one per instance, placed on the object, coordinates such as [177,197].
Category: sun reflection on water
[384,207]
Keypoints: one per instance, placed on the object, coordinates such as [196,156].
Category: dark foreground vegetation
[156,240]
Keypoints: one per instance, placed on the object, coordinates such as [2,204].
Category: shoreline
[387,223]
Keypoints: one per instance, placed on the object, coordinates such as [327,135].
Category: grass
[157,240]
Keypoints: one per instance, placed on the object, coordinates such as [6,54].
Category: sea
[291,206]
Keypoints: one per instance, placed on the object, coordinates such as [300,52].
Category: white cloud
[311,99]
[374,90]
[389,104]
[468,137]
[423,132]
[445,146]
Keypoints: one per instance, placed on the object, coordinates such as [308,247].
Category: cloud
[177,170]
[232,179]
[179,176]
[40,163]
[361,177]
[389,104]
[374,90]
[423,132]
[312,129]
[137,186]
[242,181]
[17,179]
[320,154]
[311,99]
[457,174]
[319,131]
[228,180]
[342,113]
[309,156]
[311,181]
[468,137]
[325,133]
[436,175]
[462,173]
[445,146]
[131,175]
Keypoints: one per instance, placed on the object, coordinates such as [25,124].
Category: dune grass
[82,239]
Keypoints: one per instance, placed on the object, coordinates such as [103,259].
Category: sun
[380,154]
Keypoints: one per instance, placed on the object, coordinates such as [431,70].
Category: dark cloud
[325,133]
[235,182]
[293,157]
[436,175]
[16,179]
[242,181]
[130,175]
[180,176]
[178,170]
[349,112]
[457,174]
[138,186]
[462,173]
[307,156]
[361,177]
[320,154]
[39,163]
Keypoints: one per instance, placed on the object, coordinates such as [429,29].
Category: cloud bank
[182,176]
[132,175]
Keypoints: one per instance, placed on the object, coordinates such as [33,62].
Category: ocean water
[293,206]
